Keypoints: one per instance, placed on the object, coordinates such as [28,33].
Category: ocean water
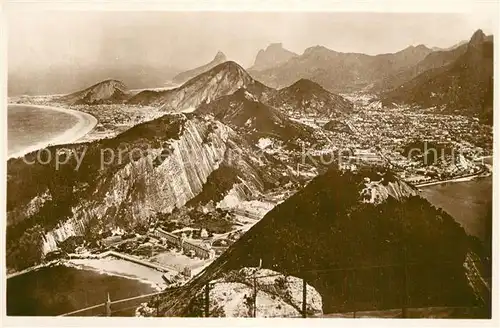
[56,290]
[28,126]
[468,202]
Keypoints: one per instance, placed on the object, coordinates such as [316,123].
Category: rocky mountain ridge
[465,86]
[222,80]
[340,72]
[187,75]
[272,56]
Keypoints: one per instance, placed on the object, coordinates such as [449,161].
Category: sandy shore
[86,123]
[107,265]
[121,268]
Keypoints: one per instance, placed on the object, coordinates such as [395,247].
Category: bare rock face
[376,192]
[277,295]
[142,188]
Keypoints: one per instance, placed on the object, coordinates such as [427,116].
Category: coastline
[108,266]
[454,180]
[119,268]
[86,123]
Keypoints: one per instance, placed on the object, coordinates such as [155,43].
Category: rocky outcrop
[277,295]
[142,188]
[377,192]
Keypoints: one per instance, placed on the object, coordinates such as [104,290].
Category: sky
[189,39]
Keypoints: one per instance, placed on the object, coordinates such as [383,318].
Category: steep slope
[307,97]
[272,56]
[187,75]
[433,60]
[108,91]
[121,182]
[222,80]
[465,86]
[340,72]
[352,250]
[243,111]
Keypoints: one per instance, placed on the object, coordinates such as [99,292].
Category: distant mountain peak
[421,46]
[306,96]
[316,48]
[107,91]
[417,48]
[478,37]
[306,84]
[276,45]
[220,56]
[222,80]
[272,56]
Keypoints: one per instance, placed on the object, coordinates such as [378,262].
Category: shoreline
[466,178]
[86,123]
[120,268]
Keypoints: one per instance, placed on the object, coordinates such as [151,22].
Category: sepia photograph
[249,163]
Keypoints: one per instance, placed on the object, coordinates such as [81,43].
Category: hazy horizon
[189,39]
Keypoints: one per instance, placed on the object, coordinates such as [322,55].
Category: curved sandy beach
[86,123]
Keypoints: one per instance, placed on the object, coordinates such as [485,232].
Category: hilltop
[308,97]
[345,224]
[224,79]
[243,110]
[105,92]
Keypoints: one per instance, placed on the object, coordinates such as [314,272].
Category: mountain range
[340,72]
[206,149]
[464,85]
